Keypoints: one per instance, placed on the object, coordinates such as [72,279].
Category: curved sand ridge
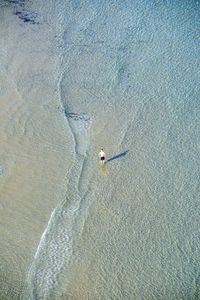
[18,137]
[54,252]
[16,155]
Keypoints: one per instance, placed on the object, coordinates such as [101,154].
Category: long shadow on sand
[117,156]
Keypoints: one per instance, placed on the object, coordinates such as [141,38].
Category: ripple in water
[2,170]
[47,274]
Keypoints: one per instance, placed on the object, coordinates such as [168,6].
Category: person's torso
[101,154]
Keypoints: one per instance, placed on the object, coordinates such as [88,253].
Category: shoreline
[59,230]
[36,151]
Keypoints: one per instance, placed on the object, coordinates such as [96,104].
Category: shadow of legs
[117,156]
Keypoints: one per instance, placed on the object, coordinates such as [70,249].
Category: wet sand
[34,154]
[119,76]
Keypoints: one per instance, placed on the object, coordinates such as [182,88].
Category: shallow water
[122,76]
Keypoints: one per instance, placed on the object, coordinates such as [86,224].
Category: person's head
[101,149]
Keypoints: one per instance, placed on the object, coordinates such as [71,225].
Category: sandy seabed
[75,77]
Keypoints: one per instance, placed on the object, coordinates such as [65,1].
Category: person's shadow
[117,156]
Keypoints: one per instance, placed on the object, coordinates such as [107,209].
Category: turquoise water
[127,80]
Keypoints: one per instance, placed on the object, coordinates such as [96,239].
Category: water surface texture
[77,76]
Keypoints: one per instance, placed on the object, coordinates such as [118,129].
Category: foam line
[53,255]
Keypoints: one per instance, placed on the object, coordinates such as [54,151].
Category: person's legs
[102,160]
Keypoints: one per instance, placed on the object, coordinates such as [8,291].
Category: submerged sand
[119,76]
[35,153]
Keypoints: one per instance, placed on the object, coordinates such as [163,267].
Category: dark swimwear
[102,158]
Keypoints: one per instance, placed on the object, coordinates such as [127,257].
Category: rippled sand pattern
[122,75]
[34,139]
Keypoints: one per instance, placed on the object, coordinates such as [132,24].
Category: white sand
[35,154]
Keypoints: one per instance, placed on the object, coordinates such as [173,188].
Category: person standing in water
[102,156]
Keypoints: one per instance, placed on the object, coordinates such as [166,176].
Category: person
[102,156]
